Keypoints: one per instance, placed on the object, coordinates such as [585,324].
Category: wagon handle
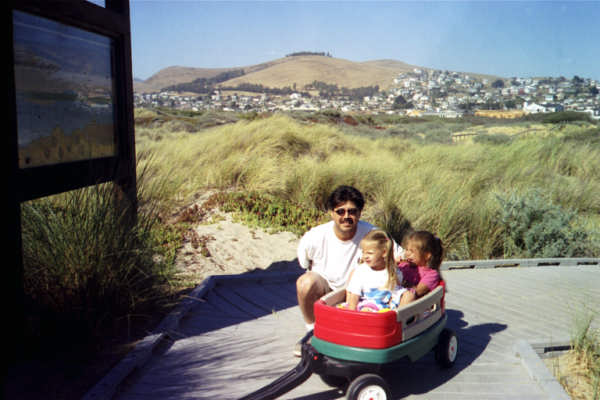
[293,378]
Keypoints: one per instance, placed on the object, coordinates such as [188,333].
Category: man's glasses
[342,211]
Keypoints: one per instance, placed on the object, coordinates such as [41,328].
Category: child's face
[414,254]
[373,257]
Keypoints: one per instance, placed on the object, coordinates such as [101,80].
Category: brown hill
[287,71]
[284,72]
[175,75]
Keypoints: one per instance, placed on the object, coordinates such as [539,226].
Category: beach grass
[90,268]
[578,370]
[420,180]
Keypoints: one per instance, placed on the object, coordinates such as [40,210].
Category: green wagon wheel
[368,387]
[446,349]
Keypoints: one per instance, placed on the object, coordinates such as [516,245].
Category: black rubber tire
[335,381]
[446,350]
[368,386]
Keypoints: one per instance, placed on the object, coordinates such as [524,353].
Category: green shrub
[565,116]
[535,227]
[268,211]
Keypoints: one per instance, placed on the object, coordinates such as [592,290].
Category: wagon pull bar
[293,378]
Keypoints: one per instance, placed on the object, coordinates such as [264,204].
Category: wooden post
[126,180]
[13,273]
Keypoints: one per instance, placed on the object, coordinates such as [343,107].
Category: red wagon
[348,349]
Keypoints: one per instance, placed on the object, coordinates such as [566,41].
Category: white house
[533,108]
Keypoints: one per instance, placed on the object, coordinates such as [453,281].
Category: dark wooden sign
[70,108]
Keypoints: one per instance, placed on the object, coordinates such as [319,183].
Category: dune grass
[415,181]
[91,270]
[586,349]
[578,370]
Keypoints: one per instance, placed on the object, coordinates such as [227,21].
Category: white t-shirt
[332,258]
[364,279]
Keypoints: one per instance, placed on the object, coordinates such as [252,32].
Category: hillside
[175,75]
[284,72]
[303,70]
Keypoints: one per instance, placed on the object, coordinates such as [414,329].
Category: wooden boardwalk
[240,334]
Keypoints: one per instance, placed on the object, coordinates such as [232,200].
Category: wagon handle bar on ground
[293,378]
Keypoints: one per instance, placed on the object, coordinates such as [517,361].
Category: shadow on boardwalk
[229,300]
[422,376]
[248,296]
[425,375]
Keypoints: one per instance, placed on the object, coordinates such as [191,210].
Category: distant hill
[175,75]
[285,72]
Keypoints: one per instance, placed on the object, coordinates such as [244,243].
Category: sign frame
[111,21]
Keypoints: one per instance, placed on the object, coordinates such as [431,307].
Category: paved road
[239,336]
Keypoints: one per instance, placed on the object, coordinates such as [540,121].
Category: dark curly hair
[343,194]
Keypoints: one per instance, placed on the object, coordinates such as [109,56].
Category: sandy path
[218,245]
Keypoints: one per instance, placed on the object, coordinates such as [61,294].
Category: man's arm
[304,253]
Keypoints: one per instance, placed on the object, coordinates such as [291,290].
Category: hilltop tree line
[204,85]
[259,88]
[309,53]
[328,91]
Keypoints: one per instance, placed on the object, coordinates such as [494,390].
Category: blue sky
[504,38]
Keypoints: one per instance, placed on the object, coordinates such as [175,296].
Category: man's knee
[304,284]
[308,284]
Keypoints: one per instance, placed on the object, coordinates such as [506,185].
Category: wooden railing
[519,262]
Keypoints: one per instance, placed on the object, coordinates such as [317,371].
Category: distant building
[533,108]
[550,107]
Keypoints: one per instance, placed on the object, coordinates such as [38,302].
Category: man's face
[345,217]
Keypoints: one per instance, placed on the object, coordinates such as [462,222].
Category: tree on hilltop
[309,53]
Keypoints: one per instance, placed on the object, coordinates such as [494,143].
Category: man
[329,251]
